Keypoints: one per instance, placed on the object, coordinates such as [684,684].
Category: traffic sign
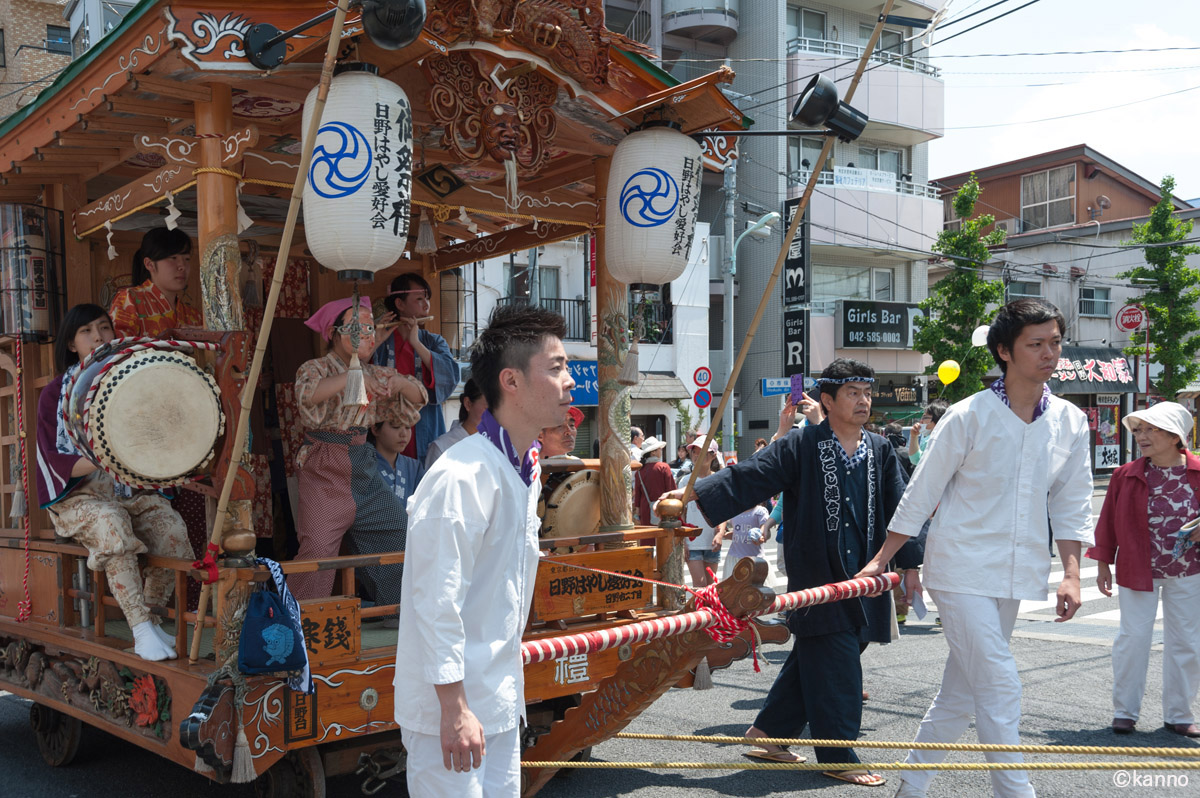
[1130,318]
[702,398]
[703,376]
[776,386]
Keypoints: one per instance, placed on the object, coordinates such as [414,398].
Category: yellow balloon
[948,372]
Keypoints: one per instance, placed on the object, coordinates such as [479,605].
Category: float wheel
[58,735]
[299,774]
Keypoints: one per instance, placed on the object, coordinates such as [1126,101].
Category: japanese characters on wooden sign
[331,630]
[562,591]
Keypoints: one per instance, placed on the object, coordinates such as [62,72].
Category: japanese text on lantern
[380,189]
[683,232]
[400,208]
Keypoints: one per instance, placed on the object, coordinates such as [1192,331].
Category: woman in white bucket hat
[1150,527]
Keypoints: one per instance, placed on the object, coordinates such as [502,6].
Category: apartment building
[35,45]
[874,215]
[1069,215]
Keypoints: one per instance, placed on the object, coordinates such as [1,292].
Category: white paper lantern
[653,198]
[359,187]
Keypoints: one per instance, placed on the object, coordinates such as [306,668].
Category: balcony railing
[575,311]
[657,319]
[854,51]
[896,186]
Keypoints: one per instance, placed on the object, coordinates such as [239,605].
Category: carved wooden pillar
[216,211]
[612,346]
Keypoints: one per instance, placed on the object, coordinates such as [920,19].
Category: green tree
[963,299]
[1172,290]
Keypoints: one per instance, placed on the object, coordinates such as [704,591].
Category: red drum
[144,411]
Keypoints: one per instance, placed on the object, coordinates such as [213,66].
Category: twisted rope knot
[208,564]
[727,626]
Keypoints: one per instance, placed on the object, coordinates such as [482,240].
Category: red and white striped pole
[534,651]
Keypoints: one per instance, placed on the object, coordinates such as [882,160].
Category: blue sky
[1151,138]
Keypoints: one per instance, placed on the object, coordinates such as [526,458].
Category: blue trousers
[820,685]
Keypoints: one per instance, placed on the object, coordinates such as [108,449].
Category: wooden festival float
[196,110]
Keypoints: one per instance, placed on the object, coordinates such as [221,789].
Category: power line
[1080,113]
[1058,52]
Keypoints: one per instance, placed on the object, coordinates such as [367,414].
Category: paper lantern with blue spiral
[653,199]
[359,189]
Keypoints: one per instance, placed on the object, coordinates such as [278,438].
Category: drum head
[573,509]
[156,417]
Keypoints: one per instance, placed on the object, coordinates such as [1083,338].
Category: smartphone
[797,388]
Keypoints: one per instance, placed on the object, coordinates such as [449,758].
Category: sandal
[863,778]
[777,755]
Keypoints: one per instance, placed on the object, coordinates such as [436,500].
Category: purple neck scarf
[1042,406]
[527,466]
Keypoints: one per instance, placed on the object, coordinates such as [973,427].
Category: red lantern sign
[1130,318]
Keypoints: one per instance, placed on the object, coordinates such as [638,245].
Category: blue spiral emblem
[649,198]
[341,161]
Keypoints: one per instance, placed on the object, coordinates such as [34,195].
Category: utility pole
[730,190]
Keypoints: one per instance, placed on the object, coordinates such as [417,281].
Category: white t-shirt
[703,541]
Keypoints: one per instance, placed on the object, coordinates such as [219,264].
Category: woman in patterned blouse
[1145,528]
[341,491]
[158,300]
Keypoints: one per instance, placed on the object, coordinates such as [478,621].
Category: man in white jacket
[1002,464]
[471,562]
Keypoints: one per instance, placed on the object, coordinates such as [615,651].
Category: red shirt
[406,363]
[1123,532]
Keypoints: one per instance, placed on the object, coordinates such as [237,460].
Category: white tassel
[513,196]
[112,251]
[173,213]
[244,221]
[703,680]
[426,241]
[19,508]
[629,369]
[355,393]
[203,767]
[243,762]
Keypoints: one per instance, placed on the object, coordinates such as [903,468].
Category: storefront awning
[1089,369]
[1190,391]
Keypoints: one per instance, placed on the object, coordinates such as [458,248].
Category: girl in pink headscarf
[340,488]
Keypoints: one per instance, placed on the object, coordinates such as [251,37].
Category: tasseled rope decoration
[629,369]
[513,196]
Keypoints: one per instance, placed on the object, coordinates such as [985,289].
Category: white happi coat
[469,571]
[999,481]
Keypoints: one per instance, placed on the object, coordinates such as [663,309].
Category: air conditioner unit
[1010,226]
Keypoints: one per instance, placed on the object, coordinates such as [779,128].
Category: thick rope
[25,607]
[1099,750]
[834,766]
[437,207]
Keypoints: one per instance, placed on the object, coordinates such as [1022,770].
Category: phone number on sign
[873,337]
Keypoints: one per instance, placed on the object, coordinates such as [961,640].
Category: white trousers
[980,679]
[498,777]
[1181,648]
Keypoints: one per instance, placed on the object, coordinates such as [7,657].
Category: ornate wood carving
[485,116]
[531,235]
[570,34]
[112,693]
[640,681]
[211,729]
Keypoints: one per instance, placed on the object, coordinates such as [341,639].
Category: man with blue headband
[840,486]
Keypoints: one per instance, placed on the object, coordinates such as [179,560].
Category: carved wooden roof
[540,80]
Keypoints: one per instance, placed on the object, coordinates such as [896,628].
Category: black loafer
[1122,725]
